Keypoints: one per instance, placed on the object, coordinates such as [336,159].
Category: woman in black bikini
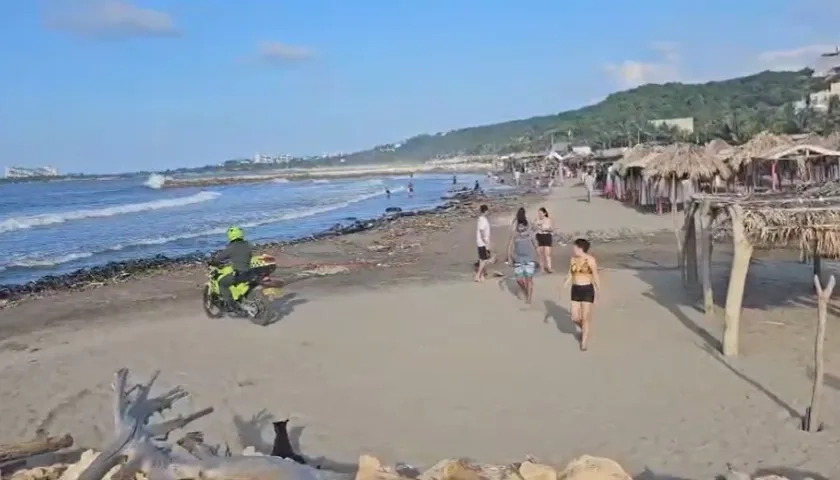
[544,240]
[584,281]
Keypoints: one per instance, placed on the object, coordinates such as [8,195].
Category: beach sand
[416,362]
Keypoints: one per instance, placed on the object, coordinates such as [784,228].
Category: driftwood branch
[143,449]
[812,418]
[11,452]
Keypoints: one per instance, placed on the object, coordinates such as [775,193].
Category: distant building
[819,100]
[23,172]
[583,150]
[685,124]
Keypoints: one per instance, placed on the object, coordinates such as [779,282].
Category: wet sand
[412,361]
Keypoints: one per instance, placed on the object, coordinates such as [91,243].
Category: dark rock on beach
[457,207]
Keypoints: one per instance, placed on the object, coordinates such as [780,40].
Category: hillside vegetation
[733,110]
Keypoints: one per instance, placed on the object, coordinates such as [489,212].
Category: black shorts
[543,239]
[583,293]
[483,253]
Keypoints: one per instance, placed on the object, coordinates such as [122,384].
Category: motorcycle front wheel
[212,305]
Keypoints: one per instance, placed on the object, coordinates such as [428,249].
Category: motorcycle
[253,295]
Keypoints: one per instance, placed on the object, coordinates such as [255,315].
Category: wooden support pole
[812,416]
[690,242]
[706,258]
[737,280]
[676,223]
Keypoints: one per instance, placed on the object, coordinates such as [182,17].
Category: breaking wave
[20,223]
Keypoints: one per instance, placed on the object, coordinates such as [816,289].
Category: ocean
[58,227]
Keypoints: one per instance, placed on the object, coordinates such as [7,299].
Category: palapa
[631,155]
[807,218]
[686,160]
[756,148]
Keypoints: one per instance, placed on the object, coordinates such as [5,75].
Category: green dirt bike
[254,295]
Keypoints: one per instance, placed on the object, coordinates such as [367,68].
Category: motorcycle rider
[238,252]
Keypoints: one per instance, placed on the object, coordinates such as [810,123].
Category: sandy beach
[414,362]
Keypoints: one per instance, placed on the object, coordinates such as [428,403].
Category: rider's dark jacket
[238,253]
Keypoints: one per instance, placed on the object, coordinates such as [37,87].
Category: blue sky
[119,85]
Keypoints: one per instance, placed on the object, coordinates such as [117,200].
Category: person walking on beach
[520,253]
[482,240]
[544,239]
[517,175]
[589,183]
[585,282]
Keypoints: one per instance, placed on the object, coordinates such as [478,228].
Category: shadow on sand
[285,306]
[250,433]
[666,289]
[561,317]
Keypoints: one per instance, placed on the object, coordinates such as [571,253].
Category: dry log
[144,447]
[40,445]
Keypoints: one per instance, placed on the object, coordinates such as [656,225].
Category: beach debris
[14,455]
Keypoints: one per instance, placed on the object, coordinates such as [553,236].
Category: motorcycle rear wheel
[212,305]
[265,313]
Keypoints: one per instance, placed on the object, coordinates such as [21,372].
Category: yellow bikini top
[579,266]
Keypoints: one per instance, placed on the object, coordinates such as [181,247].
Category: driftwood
[812,417]
[144,447]
[42,443]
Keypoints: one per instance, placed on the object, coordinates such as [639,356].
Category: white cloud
[632,73]
[108,19]
[798,58]
[276,52]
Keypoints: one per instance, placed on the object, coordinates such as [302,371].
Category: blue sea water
[58,227]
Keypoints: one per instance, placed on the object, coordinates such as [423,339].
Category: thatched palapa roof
[756,148]
[686,160]
[805,218]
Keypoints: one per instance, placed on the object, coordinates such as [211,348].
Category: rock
[593,468]
[537,471]
[393,209]
[370,468]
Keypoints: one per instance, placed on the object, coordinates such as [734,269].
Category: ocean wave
[155,181]
[42,261]
[20,223]
[280,180]
[320,180]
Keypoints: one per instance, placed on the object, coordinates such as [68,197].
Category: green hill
[731,109]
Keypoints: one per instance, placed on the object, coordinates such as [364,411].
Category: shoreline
[113,272]
[294,175]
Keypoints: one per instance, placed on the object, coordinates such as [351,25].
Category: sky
[126,85]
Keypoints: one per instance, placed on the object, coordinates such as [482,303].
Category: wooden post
[812,417]
[676,222]
[737,279]
[815,254]
[706,258]
[690,243]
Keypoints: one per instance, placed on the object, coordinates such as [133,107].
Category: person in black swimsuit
[585,282]
[544,239]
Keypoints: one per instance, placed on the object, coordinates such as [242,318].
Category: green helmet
[235,233]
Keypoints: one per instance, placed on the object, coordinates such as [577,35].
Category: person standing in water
[520,251]
[387,193]
[585,282]
[454,180]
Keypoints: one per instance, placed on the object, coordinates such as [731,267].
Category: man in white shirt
[517,175]
[482,240]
